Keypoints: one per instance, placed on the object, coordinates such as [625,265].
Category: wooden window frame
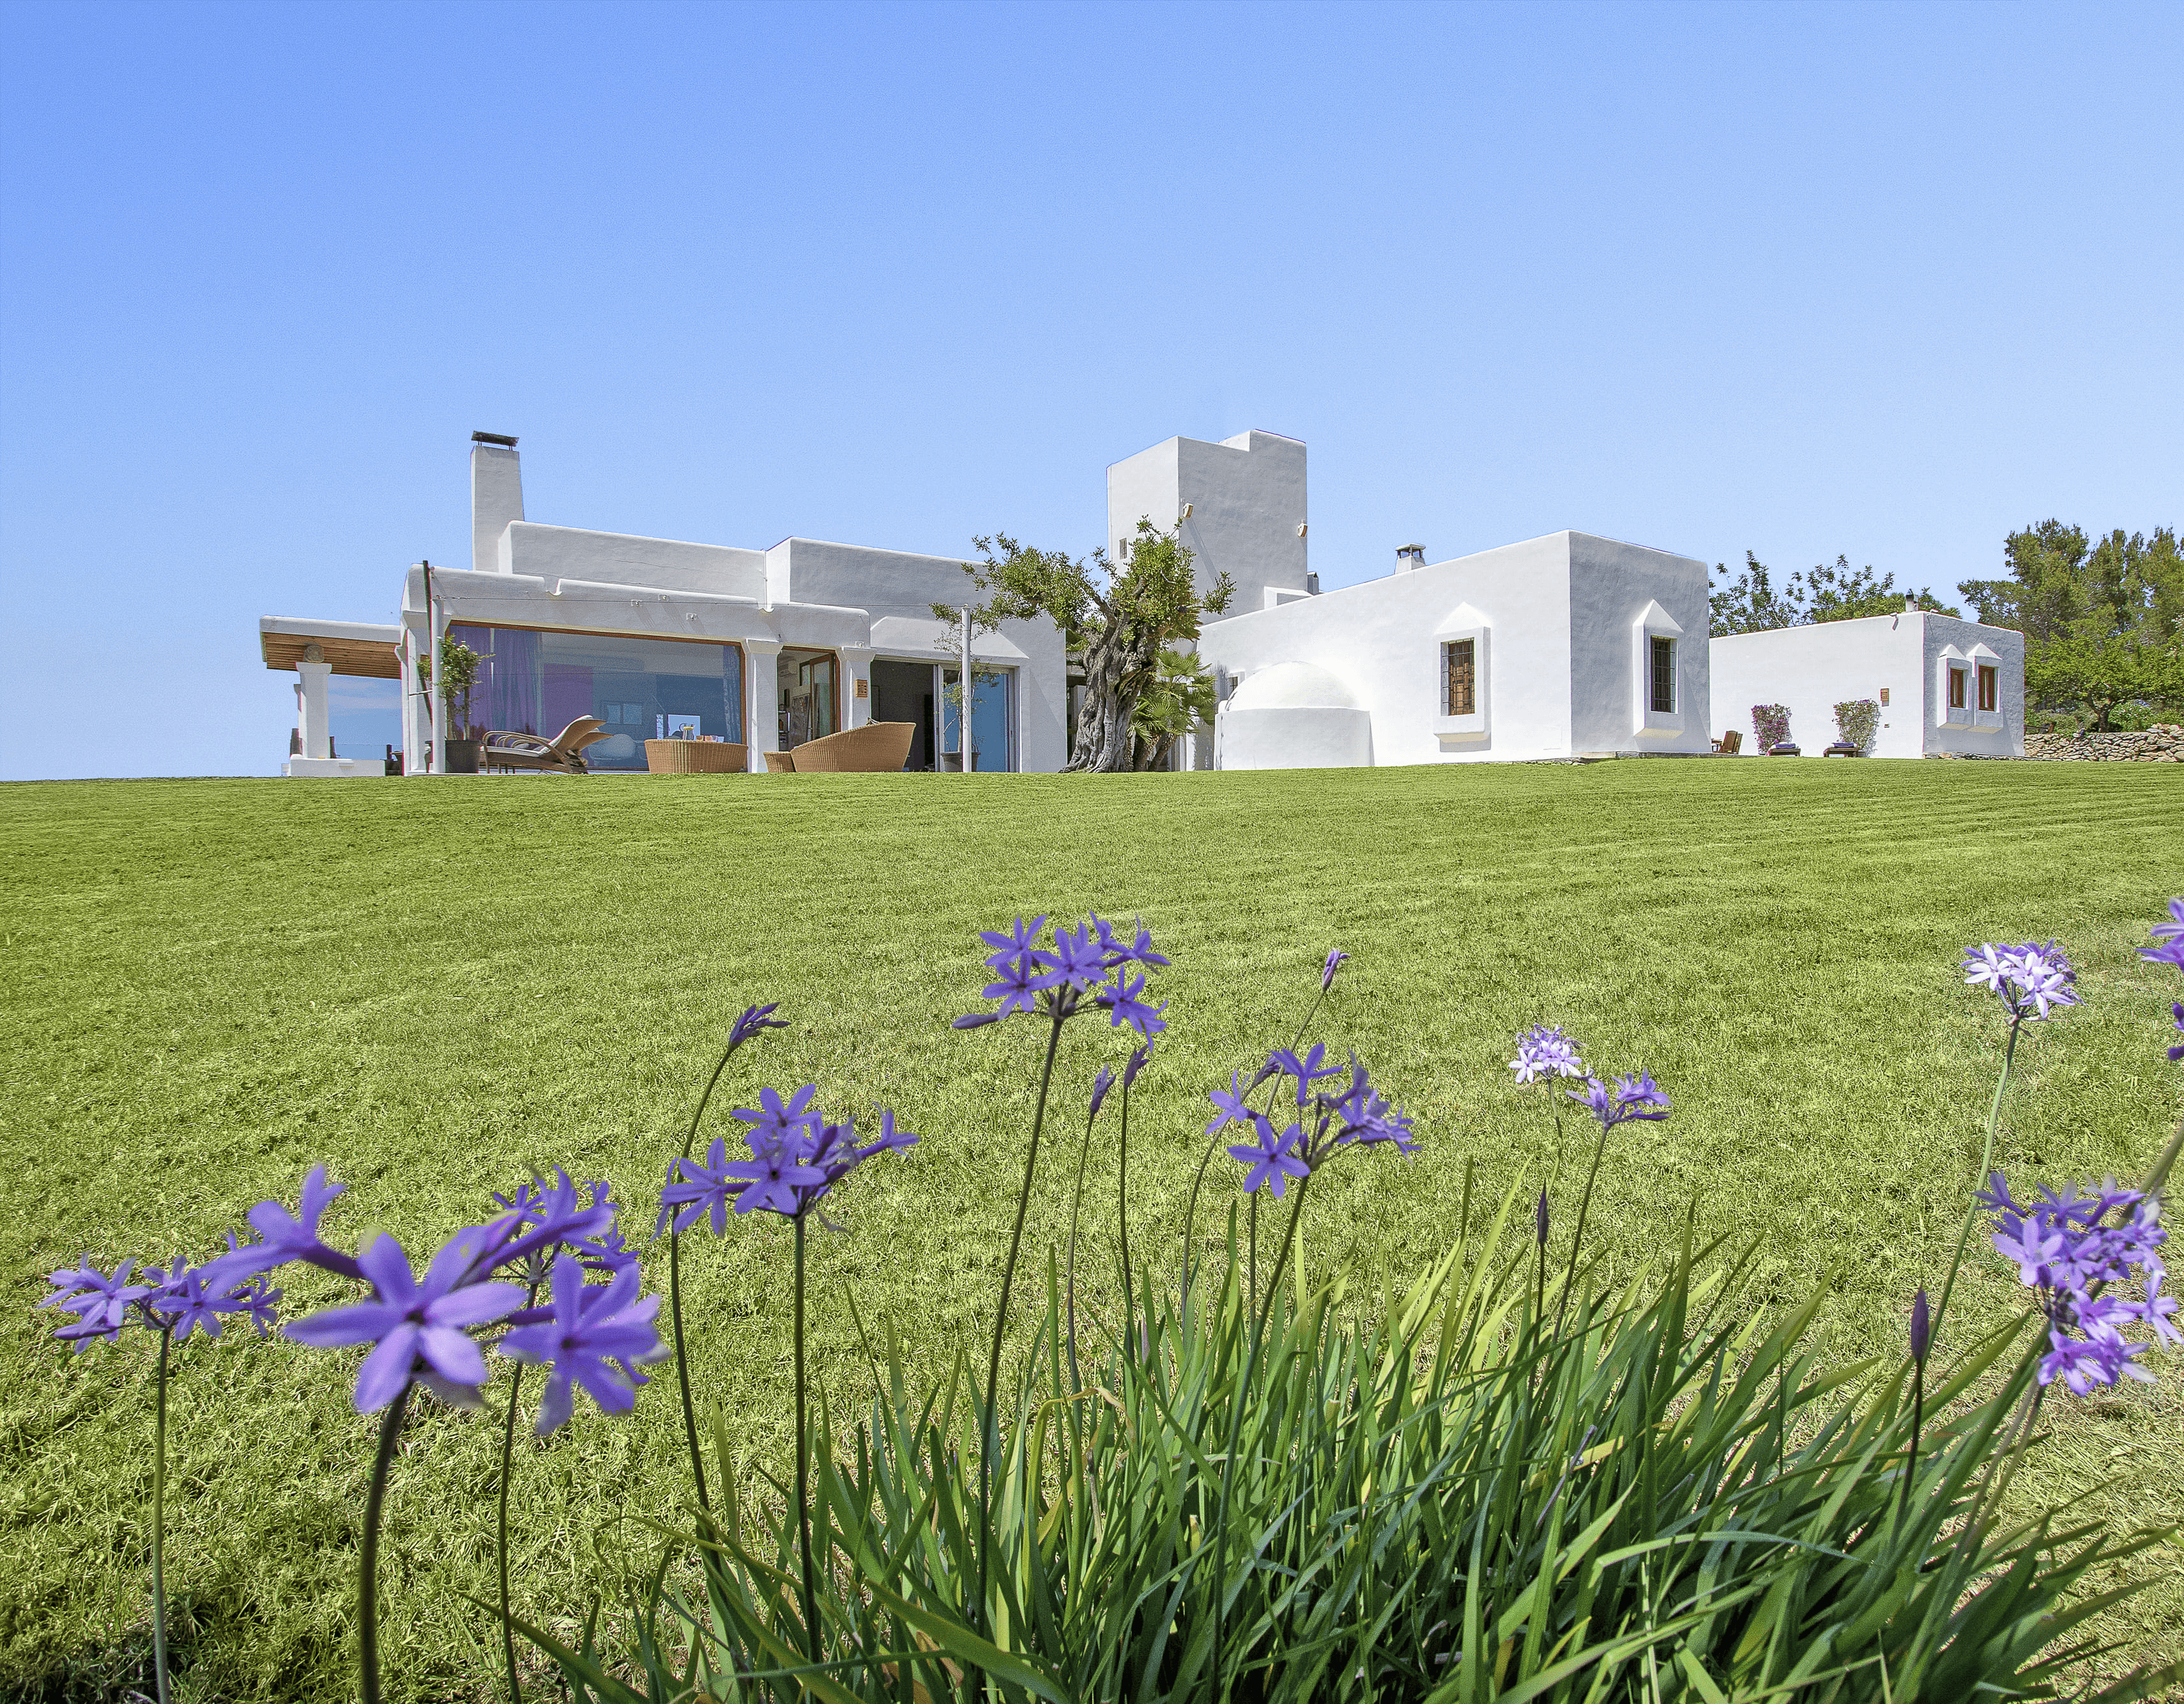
[1459,670]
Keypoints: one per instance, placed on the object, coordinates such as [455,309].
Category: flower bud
[1921,1327]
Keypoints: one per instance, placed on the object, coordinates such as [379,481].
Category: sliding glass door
[531,681]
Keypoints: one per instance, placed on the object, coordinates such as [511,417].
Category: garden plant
[1513,1479]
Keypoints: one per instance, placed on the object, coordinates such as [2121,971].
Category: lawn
[437,990]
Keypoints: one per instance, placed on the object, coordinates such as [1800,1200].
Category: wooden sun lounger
[564,752]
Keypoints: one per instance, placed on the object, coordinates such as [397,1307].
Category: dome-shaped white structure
[1293,686]
[1294,716]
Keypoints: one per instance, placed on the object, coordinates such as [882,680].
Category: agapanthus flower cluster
[1326,1121]
[433,1331]
[177,1298]
[798,1158]
[1544,1052]
[1630,1098]
[2077,1250]
[2029,979]
[1090,966]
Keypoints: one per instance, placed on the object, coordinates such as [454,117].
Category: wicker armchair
[873,749]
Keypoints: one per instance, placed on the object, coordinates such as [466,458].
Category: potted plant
[1856,720]
[458,672]
[1770,722]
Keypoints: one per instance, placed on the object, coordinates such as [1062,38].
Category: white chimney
[1409,556]
[496,496]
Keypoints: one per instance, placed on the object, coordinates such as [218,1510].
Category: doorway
[903,692]
[809,687]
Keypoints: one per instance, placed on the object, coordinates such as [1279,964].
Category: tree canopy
[1751,604]
[1118,618]
[2103,621]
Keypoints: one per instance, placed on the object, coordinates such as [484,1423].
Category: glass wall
[991,724]
[534,682]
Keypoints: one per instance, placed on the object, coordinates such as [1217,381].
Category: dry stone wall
[2163,743]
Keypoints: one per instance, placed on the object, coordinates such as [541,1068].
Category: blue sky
[1887,281]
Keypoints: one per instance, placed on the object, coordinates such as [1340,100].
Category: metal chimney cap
[502,439]
[1410,550]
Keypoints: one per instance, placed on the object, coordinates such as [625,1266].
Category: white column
[317,732]
[761,710]
[856,684]
[963,737]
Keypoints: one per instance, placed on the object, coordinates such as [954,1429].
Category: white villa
[1945,686]
[1568,645]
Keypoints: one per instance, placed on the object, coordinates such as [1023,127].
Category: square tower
[1239,506]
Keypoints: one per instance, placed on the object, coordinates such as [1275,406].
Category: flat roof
[353,647]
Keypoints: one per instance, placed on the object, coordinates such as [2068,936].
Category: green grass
[213,984]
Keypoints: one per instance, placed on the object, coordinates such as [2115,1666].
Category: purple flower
[2169,940]
[1228,1105]
[99,1300]
[1077,957]
[1272,1163]
[755,1020]
[2064,1245]
[776,1122]
[1361,1116]
[774,1177]
[409,1323]
[1336,960]
[607,1254]
[545,1218]
[1306,1070]
[1139,952]
[1021,982]
[1921,1327]
[1625,1101]
[262,1303]
[2029,979]
[184,1302]
[1101,1085]
[705,1188]
[2177,1052]
[595,1337]
[1017,942]
[1127,1009]
[1543,1051]
[1141,1056]
[295,1236]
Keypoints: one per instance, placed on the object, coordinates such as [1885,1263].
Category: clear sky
[1884,281]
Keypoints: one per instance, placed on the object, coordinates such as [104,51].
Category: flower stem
[1987,1159]
[1584,1206]
[500,1538]
[990,1440]
[1122,1222]
[1235,1437]
[1213,1147]
[1069,1288]
[367,1577]
[159,1521]
[675,1296]
[804,1470]
[1917,1416]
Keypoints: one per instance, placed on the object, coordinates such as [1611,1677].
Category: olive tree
[1118,617]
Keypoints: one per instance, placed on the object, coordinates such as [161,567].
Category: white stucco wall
[1294,716]
[1247,496]
[1382,637]
[1811,669]
[496,499]
[553,553]
[1611,585]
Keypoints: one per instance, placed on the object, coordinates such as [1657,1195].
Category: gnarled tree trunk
[1118,667]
